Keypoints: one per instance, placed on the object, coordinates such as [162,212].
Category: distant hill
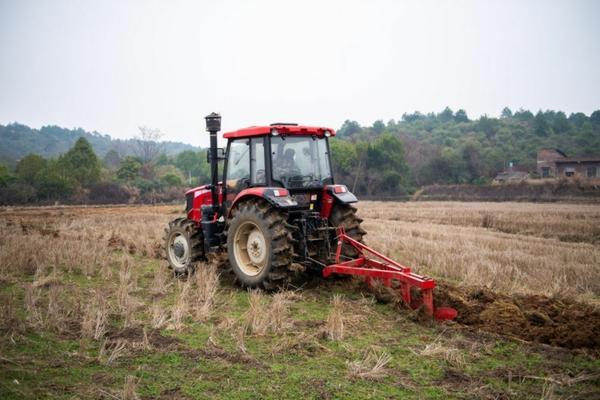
[17,140]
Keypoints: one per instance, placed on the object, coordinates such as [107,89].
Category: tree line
[383,159]
[448,147]
[18,140]
[79,176]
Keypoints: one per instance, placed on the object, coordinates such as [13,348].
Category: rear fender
[277,197]
[334,194]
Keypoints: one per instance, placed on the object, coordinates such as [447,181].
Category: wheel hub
[250,249]
[178,249]
[256,246]
[179,252]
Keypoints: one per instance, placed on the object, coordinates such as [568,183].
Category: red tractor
[278,211]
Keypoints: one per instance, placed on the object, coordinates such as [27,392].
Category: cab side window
[257,162]
[238,165]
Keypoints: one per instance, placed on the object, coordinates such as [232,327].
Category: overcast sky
[111,66]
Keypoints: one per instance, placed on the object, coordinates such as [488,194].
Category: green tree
[595,119]
[81,163]
[461,116]
[378,127]
[349,128]
[560,123]
[28,167]
[170,180]
[385,157]
[51,184]
[523,115]
[446,115]
[343,156]
[129,169]
[540,125]
[5,176]
[506,113]
[472,160]
[112,159]
[578,119]
[489,126]
[194,166]
[416,116]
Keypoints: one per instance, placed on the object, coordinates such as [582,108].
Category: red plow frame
[373,265]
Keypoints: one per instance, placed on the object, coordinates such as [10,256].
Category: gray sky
[111,66]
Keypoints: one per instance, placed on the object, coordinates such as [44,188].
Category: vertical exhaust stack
[212,228]
[213,125]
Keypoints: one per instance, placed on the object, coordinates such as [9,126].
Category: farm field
[89,310]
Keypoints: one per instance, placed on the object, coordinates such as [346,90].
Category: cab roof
[285,129]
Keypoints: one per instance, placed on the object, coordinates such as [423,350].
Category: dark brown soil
[535,318]
[135,334]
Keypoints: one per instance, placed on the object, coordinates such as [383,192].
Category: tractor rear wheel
[345,215]
[184,245]
[259,245]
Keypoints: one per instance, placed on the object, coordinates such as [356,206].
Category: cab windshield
[300,161]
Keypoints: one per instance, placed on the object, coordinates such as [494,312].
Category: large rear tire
[345,215]
[259,245]
[184,245]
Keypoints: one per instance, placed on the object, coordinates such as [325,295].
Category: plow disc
[375,266]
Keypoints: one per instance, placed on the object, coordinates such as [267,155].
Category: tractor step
[375,266]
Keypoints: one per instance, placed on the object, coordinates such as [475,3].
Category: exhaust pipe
[213,125]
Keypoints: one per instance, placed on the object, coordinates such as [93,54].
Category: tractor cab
[287,156]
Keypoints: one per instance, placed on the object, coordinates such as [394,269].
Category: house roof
[570,160]
[556,150]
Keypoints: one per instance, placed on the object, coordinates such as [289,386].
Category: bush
[108,193]
[18,193]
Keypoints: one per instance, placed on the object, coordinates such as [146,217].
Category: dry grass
[206,280]
[181,307]
[267,314]
[160,316]
[437,349]
[447,240]
[86,272]
[335,320]
[110,352]
[280,311]
[256,318]
[569,222]
[35,317]
[162,280]
[371,366]
[129,390]
[94,323]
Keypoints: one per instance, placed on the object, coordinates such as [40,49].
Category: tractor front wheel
[259,245]
[184,245]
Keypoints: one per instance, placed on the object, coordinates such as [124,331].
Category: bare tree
[148,147]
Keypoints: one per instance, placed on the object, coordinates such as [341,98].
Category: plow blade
[375,266]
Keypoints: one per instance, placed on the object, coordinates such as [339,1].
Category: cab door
[245,166]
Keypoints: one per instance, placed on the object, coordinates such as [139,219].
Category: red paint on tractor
[202,197]
[327,203]
[319,131]
[246,193]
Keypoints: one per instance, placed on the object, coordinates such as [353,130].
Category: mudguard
[333,194]
[277,197]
